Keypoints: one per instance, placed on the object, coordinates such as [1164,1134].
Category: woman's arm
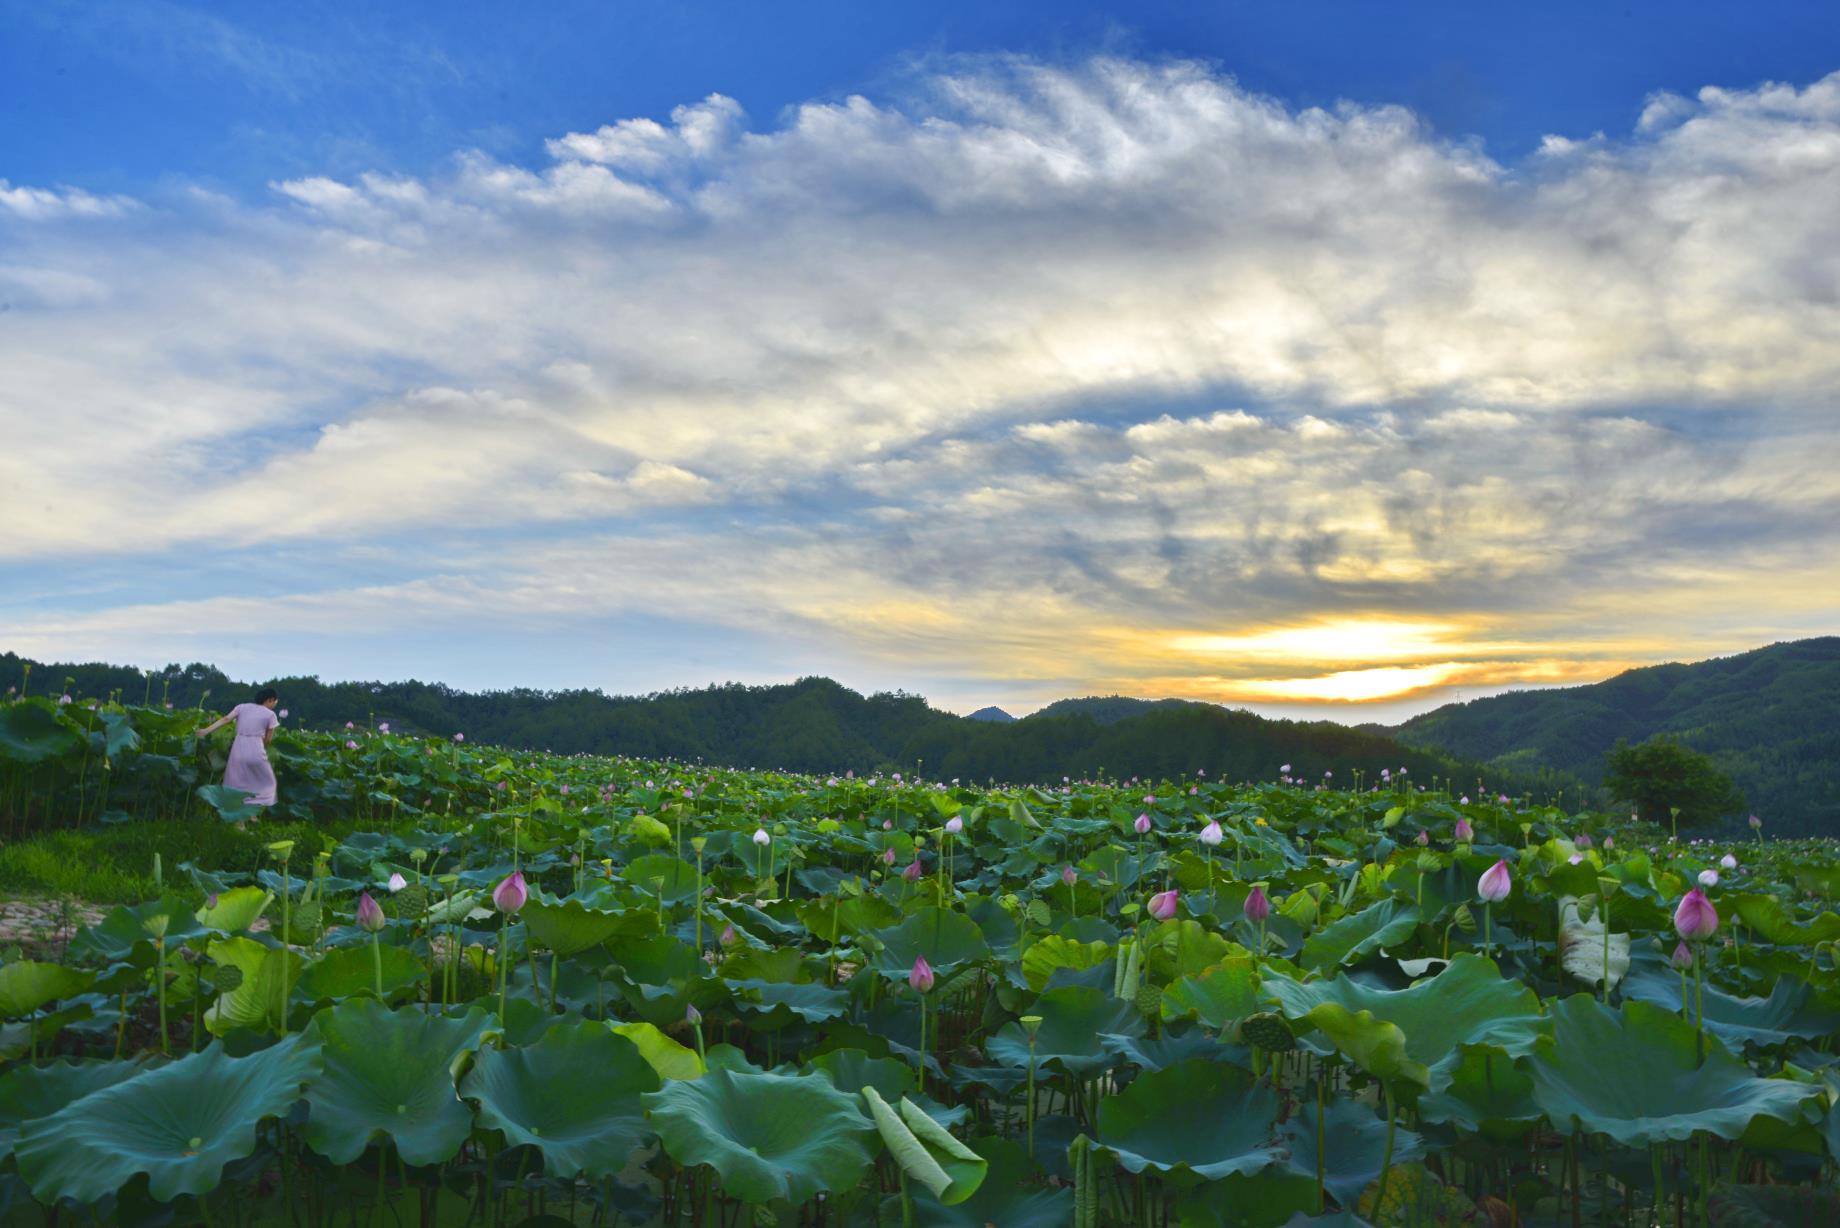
[268,735]
[214,726]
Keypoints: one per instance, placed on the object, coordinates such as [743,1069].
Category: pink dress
[248,768]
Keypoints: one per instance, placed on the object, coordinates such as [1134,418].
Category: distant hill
[1770,718]
[812,725]
[992,713]
[1110,709]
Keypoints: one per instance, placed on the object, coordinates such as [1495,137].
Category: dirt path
[44,927]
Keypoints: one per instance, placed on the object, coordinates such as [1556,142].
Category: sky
[1327,359]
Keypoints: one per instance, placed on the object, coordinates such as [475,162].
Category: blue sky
[1328,359]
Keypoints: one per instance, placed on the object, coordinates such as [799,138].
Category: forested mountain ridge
[1770,718]
[812,725]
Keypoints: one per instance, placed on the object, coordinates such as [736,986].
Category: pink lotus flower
[1464,833]
[1211,835]
[1284,767]
[1708,878]
[1756,823]
[728,937]
[349,725]
[1682,957]
[1609,843]
[511,895]
[63,699]
[888,857]
[350,745]
[1695,918]
[954,825]
[459,737]
[1069,875]
[1258,904]
[921,976]
[887,824]
[1424,839]
[761,837]
[397,882]
[1584,840]
[282,714]
[912,871]
[370,916]
[383,726]
[1728,862]
[1142,825]
[1163,905]
[1495,884]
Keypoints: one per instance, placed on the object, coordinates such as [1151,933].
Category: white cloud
[960,334]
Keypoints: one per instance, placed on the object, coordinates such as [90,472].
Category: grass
[114,864]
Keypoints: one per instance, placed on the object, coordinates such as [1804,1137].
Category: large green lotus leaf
[234,910]
[1636,1077]
[1486,1093]
[1075,1019]
[33,734]
[661,976]
[1376,1046]
[230,804]
[1385,924]
[811,1002]
[1353,1146]
[664,1055]
[1174,949]
[574,1095]
[119,935]
[768,1136]
[926,1151]
[1217,996]
[948,940]
[258,1000]
[1008,1196]
[31,1092]
[1203,1118]
[347,972]
[852,1070]
[27,986]
[838,919]
[179,1124]
[567,927]
[656,872]
[391,1074]
[1468,1003]
[1054,952]
[1167,1049]
[1789,1011]
[1775,921]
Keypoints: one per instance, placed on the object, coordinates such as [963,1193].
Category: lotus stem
[504,965]
[376,970]
[1386,1160]
[160,981]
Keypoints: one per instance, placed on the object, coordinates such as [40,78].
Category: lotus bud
[1284,767]
[1211,835]
[1682,957]
[1495,883]
[912,871]
[510,895]
[1465,834]
[1729,862]
[1142,825]
[1584,840]
[1708,878]
[370,916]
[1258,904]
[728,937]
[1695,918]
[1609,843]
[1163,905]
[761,837]
[397,882]
[1069,875]
[1756,823]
[1423,840]
[887,857]
[921,976]
[887,824]
[692,1016]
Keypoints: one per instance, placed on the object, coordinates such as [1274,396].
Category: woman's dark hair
[265,694]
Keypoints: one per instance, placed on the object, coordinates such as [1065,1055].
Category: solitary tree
[1660,776]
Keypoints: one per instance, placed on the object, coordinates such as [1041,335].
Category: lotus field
[525,989]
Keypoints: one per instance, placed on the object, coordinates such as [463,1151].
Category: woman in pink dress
[248,768]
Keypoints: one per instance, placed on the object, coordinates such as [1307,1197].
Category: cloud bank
[1030,380]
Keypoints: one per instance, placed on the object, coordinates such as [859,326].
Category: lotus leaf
[768,1136]
[574,1095]
[1636,1076]
[27,986]
[926,1151]
[1199,1118]
[1385,924]
[391,1074]
[1353,1147]
[179,1124]
[1074,1022]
